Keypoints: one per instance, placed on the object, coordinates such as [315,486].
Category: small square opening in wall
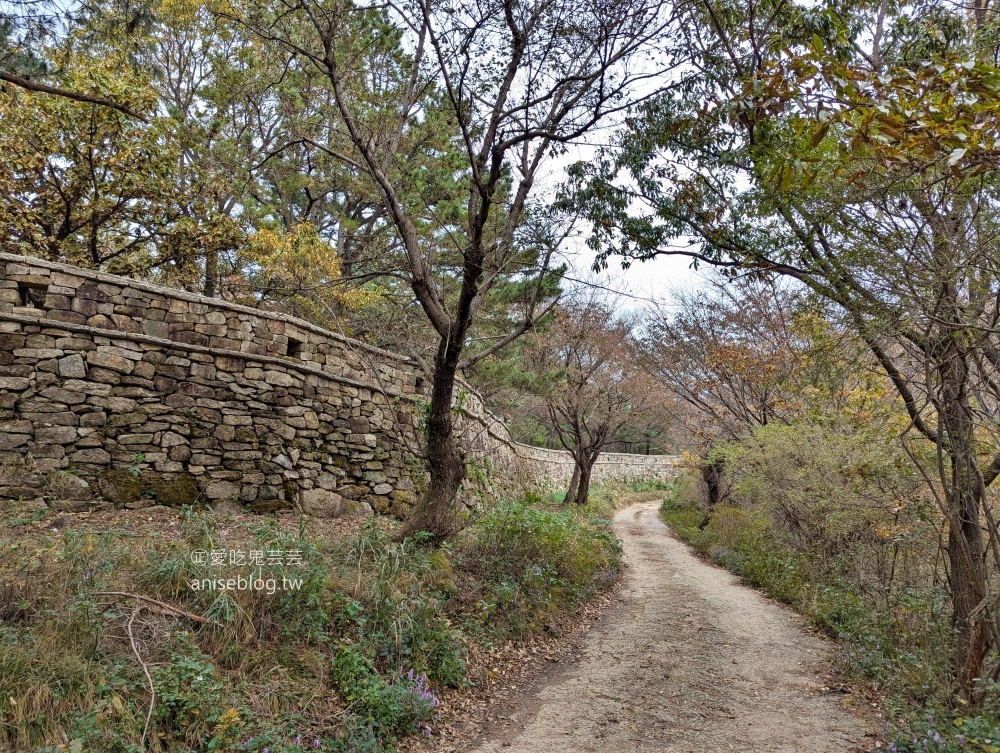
[294,348]
[32,296]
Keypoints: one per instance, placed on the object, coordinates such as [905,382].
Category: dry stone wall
[133,394]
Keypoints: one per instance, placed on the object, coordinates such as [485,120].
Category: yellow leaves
[819,134]
[190,12]
[300,262]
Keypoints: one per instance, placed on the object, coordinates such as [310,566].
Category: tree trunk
[965,538]
[573,482]
[711,472]
[211,274]
[435,512]
[585,468]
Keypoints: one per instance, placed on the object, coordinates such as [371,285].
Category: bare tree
[727,353]
[586,372]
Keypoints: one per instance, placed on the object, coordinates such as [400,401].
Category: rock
[383,489]
[321,503]
[14,383]
[156,329]
[140,503]
[38,353]
[70,505]
[66,397]
[55,434]
[120,486]
[13,441]
[278,378]
[358,509]
[222,490]
[35,506]
[110,361]
[95,456]
[66,486]
[170,439]
[19,484]
[173,489]
[16,427]
[72,367]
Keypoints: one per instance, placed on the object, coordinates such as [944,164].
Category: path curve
[689,660]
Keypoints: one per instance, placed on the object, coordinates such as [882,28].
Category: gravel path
[687,660]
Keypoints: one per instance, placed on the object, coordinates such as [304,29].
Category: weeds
[350,659]
[534,562]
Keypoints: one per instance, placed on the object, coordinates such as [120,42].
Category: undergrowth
[891,643]
[347,652]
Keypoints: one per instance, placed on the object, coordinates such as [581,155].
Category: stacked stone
[153,396]
[35,289]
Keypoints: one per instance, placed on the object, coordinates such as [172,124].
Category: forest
[460,182]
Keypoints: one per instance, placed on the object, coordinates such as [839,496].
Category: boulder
[323,503]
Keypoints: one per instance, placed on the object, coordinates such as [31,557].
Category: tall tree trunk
[711,472]
[435,511]
[963,498]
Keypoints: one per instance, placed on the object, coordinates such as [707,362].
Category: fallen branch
[145,671]
[167,610]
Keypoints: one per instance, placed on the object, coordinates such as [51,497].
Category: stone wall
[152,395]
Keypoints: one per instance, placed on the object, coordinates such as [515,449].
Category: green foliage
[392,706]
[535,562]
[190,695]
[372,627]
[831,521]
[397,618]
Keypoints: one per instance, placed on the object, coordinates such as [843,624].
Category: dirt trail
[687,660]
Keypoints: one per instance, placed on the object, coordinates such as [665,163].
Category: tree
[854,149]
[83,184]
[583,366]
[728,353]
[508,83]
[27,31]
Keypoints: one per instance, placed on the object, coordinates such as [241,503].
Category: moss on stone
[119,486]
[268,505]
[123,486]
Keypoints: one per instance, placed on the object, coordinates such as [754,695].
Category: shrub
[534,562]
[391,706]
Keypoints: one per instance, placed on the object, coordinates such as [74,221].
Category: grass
[348,651]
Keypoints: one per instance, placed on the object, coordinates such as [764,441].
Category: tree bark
[963,499]
[211,273]
[435,511]
[573,482]
[711,472]
[585,467]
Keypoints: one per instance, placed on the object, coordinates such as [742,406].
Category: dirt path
[688,660]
